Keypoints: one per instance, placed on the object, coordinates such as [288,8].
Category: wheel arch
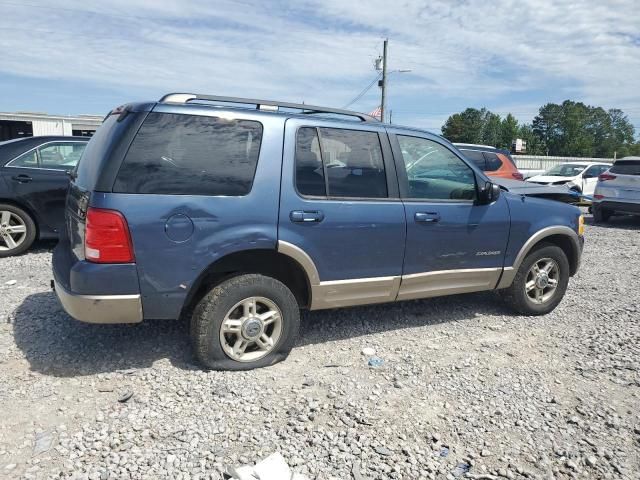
[272,263]
[27,209]
[564,237]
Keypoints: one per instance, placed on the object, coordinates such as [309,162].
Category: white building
[27,124]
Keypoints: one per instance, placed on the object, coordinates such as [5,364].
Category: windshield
[566,170]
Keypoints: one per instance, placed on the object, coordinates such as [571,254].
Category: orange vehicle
[493,161]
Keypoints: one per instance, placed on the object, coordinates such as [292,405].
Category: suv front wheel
[249,321]
[541,281]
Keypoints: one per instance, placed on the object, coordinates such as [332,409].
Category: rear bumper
[100,308]
[96,293]
[631,208]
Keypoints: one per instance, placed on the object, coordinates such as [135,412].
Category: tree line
[570,129]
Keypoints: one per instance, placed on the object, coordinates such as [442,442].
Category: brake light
[107,238]
[517,176]
[598,196]
[603,177]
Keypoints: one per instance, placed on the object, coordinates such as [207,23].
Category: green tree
[492,129]
[509,131]
[465,127]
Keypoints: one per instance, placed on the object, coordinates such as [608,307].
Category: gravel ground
[466,388]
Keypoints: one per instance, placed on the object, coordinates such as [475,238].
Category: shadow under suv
[237,213]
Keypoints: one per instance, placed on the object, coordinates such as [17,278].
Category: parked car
[492,161]
[579,176]
[618,190]
[34,176]
[237,218]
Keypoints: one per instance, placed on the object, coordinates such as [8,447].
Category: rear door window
[628,167]
[339,163]
[176,154]
[476,157]
[493,161]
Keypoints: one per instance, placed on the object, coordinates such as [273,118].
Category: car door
[453,244]
[340,211]
[39,179]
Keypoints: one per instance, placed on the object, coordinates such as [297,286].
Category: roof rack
[269,105]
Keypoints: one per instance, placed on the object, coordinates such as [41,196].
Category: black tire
[516,297]
[210,312]
[600,215]
[30,234]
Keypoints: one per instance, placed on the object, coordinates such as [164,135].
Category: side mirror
[587,175]
[488,193]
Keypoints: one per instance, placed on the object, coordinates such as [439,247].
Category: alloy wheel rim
[251,329]
[542,280]
[13,231]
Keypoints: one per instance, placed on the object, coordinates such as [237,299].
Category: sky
[71,57]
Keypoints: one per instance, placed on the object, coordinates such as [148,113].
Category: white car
[579,176]
[618,190]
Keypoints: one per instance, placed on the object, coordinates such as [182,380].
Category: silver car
[618,190]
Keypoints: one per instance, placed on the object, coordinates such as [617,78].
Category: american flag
[376,113]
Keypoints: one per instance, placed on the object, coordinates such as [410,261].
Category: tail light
[517,176]
[107,238]
[603,177]
[598,196]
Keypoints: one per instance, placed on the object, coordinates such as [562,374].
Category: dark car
[34,177]
[238,217]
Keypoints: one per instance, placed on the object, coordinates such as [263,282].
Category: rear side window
[493,161]
[339,163]
[476,157]
[191,155]
[627,167]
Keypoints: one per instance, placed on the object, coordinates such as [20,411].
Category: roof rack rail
[269,105]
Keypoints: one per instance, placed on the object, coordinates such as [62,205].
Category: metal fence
[536,162]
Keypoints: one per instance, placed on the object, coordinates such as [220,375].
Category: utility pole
[383,82]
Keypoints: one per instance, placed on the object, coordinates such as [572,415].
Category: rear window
[628,167]
[191,155]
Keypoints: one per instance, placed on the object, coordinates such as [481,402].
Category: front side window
[434,172]
[60,156]
[339,163]
[175,154]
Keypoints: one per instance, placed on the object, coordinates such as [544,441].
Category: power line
[361,94]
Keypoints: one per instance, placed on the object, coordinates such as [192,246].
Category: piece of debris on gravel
[467,389]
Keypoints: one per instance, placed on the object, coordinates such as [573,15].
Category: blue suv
[236,213]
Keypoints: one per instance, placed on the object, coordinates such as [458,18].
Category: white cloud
[322,51]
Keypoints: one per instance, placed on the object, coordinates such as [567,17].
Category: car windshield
[566,170]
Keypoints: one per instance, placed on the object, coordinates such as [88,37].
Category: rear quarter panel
[167,269]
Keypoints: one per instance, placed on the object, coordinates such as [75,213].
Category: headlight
[581,225]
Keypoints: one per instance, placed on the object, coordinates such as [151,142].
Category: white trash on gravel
[273,467]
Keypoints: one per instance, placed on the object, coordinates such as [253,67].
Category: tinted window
[594,171]
[627,167]
[309,171]
[493,161]
[434,172]
[29,160]
[62,155]
[476,157]
[353,163]
[191,155]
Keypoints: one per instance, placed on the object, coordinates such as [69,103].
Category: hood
[549,179]
[561,193]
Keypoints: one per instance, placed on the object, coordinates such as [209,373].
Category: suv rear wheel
[17,230]
[246,322]
[541,281]
[600,215]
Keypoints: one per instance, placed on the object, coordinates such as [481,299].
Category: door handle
[427,217]
[22,178]
[306,216]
